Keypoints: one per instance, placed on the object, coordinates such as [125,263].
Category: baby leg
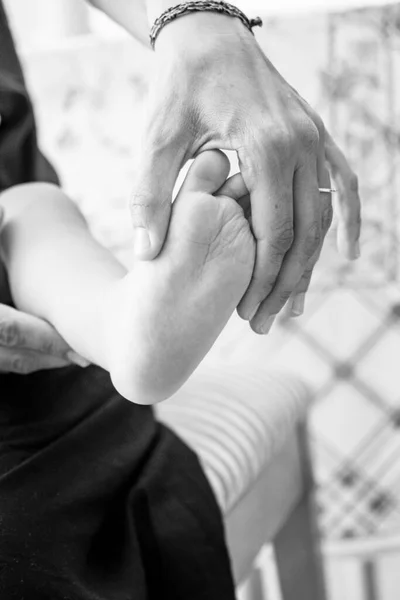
[172,309]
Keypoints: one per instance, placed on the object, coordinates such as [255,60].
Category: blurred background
[89,82]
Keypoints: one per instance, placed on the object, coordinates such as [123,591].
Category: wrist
[201,34]
[155,8]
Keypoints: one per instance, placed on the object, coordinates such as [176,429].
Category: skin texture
[151,327]
[214,88]
[27,343]
[171,310]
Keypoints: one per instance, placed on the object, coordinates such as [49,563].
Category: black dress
[98,501]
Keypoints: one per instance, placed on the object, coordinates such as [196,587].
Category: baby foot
[172,309]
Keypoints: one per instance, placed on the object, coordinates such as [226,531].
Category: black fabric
[20,159]
[98,501]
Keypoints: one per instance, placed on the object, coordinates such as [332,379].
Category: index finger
[24,331]
[349,204]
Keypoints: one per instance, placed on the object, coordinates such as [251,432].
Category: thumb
[150,203]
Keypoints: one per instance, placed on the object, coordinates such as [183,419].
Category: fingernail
[77,359]
[298,305]
[142,241]
[268,324]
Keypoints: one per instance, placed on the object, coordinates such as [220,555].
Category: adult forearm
[57,270]
[130,14]
[137,16]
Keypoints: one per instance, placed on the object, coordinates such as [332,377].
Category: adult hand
[214,88]
[349,218]
[29,344]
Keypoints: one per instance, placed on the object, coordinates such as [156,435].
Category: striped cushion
[236,419]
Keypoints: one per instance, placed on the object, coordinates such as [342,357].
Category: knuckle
[139,207]
[144,204]
[309,136]
[9,333]
[266,286]
[284,296]
[305,281]
[312,240]
[283,238]
[139,200]
[280,140]
[308,274]
[327,217]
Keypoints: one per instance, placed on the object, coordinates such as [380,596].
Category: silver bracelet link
[217,6]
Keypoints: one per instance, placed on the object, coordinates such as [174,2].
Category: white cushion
[236,419]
